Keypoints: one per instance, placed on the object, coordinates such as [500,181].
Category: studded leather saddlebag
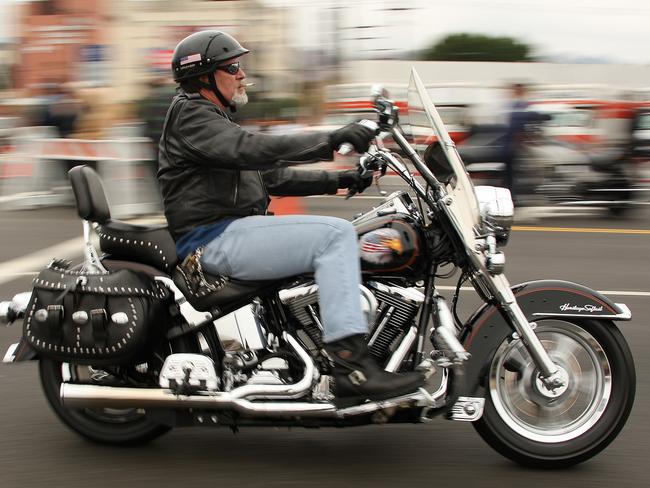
[112,318]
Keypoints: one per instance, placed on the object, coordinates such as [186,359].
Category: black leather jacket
[210,168]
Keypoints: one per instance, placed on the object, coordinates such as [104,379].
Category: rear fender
[487,328]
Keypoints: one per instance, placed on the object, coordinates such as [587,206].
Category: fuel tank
[390,241]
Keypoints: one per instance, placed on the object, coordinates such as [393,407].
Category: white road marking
[15,268]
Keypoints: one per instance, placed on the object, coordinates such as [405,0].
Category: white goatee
[240,99]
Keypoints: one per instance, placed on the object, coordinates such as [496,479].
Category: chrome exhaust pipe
[94,396]
[89,396]
[291,391]
[7,313]
[78,396]
[15,308]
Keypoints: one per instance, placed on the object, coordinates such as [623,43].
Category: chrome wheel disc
[550,416]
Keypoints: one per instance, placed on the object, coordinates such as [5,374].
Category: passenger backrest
[89,194]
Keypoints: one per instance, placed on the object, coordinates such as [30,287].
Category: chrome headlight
[497,211]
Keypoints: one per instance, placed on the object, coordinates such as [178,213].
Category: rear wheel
[533,425]
[103,425]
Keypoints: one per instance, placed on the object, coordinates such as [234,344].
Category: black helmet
[200,53]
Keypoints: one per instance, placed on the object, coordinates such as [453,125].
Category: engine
[390,311]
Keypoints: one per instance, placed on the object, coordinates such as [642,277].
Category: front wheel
[535,426]
[103,425]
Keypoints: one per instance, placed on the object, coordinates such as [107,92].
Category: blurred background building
[118,45]
[99,69]
[107,52]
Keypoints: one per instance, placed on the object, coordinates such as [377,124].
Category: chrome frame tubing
[92,262]
[426,173]
[497,284]
[404,173]
[500,287]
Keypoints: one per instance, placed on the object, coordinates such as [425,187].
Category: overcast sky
[617,31]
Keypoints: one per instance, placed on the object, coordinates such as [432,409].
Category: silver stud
[41,315]
[80,317]
[119,318]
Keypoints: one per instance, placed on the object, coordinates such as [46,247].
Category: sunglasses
[231,69]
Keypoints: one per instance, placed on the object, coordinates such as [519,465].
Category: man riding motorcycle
[216,179]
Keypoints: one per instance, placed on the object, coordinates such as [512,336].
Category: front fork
[500,289]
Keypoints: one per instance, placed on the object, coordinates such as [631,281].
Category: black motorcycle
[132,343]
[554,173]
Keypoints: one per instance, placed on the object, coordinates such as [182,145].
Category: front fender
[487,328]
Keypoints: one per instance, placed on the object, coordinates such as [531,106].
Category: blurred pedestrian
[514,136]
[152,109]
[520,122]
[61,109]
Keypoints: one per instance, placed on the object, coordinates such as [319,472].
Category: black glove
[352,180]
[356,134]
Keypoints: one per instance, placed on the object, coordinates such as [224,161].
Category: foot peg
[467,409]
[184,373]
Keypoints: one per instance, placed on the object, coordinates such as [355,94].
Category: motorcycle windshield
[435,147]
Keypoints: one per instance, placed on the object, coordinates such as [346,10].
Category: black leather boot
[359,378]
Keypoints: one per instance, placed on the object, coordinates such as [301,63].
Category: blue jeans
[274,247]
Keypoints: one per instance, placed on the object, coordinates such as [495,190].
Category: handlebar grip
[346,148]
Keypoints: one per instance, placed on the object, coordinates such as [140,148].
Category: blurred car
[640,138]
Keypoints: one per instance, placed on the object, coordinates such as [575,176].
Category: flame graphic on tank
[379,246]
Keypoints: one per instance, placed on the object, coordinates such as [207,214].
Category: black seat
[232,292]
[150,245]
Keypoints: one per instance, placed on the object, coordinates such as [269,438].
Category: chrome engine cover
[389,311]
[302,302]
[242,329]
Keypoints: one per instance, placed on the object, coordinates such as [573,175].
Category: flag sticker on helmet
[192,58]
